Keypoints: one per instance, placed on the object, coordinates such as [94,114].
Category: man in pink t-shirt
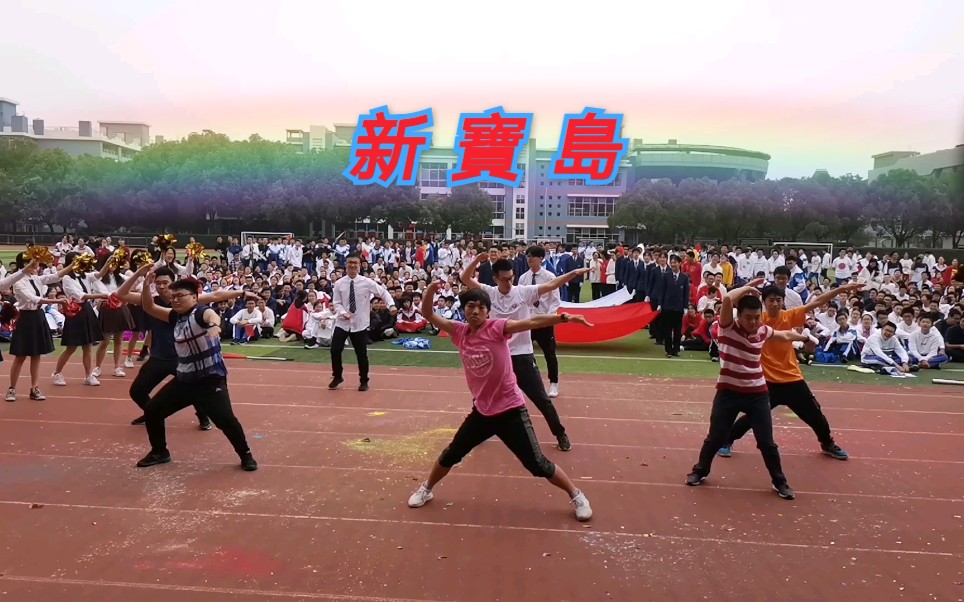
[499,407]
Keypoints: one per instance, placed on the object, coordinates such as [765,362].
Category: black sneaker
[693,479]
[138,421]
[335,383]
[834,451]
[784,491]
[564,444]
[363,386]
[204,425]
[248,463]
[153,459]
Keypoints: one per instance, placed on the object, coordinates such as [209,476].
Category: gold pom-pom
[164,241]
[195,251]
[84,263]
[119,257]
[39,253]
[142,258]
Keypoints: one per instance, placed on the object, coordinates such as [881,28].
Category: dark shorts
[515,430]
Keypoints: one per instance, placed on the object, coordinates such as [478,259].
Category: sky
[817,85]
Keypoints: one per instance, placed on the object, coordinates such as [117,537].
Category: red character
[386,147]
[590,148]
[488,146]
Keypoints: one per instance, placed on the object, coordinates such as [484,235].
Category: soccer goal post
[245,236]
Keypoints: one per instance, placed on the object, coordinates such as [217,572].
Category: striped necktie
[351,296]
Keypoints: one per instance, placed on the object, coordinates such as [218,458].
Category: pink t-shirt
[488,367]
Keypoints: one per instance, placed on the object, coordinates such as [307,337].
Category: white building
[929,164]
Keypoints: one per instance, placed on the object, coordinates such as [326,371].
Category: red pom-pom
[114,302]
[72,309]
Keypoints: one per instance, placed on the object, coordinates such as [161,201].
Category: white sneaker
[128,363]
[96,372]
[119,372]
[11,394]
[581,504]
[59,380]
[420,497]
[92,381]
[554,390]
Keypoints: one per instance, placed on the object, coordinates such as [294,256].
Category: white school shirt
[365,288]
[549,303]
[27,296]
[516,305]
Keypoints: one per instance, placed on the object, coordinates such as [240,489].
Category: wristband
[564,317]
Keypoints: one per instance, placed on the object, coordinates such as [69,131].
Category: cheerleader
[31,338]
[114,321]
[169,259]
[8,313]
[82,329]
[137,316]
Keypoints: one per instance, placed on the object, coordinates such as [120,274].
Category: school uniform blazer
[674,293]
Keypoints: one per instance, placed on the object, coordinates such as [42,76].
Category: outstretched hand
[578,319]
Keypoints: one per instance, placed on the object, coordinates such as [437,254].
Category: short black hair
[501,265]
[165,271]
[675,257]
[476,295]
[781,270]
[891,324]
[772,290]
[186,284]
[535,251]
[749,303]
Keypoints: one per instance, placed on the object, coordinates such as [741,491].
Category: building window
[433,175]
[590,206]
[499,207]
[520,229]
[492,185]
[520,199]
[520,212]
[576,235]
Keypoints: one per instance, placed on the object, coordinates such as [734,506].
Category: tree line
[187,185]
[183,186]
[900,204]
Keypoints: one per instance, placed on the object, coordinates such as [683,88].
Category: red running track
[325,518]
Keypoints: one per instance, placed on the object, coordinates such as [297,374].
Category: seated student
[247,323]
[320,327]
[906,326]
[864,330]
[883,352]
[840,344]
[926,346]
[408,319]
[800,347]
[708,299]
[700,339]
[381,324]
[293,322]
[691,321]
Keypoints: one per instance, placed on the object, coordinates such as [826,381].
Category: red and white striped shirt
[740,368]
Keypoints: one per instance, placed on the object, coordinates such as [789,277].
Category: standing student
[515,303]
[672,296]
[498,406]
[162,361]
[201,373]
[785,383]
[547,304]
[6,282]
[114,322]
[32,336]
[351,301]
[741,386]
[81,330]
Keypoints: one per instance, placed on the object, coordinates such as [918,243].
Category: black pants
[695,344]
[530,382]
[359,341]
[596,290]
[575,290]
[727,405]
[151,374]
[546,339]
[801,401]
[513,427]
[672,323]
[211,394]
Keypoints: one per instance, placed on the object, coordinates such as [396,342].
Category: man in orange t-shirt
[782,371]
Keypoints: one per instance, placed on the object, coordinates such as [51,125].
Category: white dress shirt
[28,298]
[365,288]
[548,303]
[516,305]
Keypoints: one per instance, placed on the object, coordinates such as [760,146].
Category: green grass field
[635,355]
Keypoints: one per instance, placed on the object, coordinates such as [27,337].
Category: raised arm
[147,301]
[560,280]
[15,277]
[125,292]
[535,322]
[731,298]
[789,336]
[468,272]
[828,296]
[428,310]
[224,295]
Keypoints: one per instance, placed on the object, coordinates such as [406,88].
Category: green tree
[906,204]
[467,209]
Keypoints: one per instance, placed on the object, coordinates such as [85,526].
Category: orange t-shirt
[779,358]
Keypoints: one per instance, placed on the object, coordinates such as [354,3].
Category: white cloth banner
[611,300]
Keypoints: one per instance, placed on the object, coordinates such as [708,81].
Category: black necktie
[351,296]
